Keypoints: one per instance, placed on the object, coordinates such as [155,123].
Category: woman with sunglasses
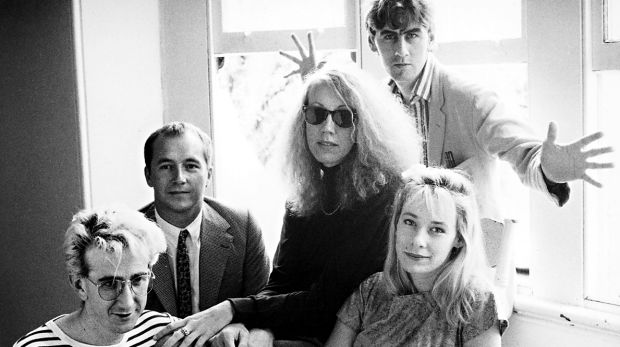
[344,150]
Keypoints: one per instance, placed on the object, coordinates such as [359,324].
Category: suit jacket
[232,259]
[471,126]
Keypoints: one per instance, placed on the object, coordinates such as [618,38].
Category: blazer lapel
[164,280]
[437,120]
[164,284]
[215,248]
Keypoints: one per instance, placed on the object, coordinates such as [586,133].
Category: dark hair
[174,129]
[398,14]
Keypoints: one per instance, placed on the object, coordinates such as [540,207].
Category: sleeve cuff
[561,191]
[242,308]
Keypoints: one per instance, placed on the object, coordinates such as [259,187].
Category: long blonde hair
[386,142]
[462,273]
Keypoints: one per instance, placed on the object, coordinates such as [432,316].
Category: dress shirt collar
[422,85]
[193,228]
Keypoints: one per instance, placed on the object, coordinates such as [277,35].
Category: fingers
[586,140]
[170,328]
[552,132]
[598,151]
[294,72]
[300,47]
[310,44]
[590,180]
[290,57]
[244,336]
[590,165]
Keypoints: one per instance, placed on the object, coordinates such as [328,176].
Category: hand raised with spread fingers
[307,58]
[198,328]
[564,163]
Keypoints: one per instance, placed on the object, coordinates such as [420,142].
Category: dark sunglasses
[316,115]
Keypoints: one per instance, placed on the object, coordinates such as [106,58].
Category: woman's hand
[307,61]
[198,328]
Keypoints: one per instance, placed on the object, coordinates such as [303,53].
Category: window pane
[602,217]
[269,15]
[612,20]
[477,20]
[251,99]
[510,82]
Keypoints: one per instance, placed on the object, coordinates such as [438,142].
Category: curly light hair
[385,142]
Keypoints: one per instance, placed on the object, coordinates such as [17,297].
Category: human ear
[78,286]
[371,43]
[147,176]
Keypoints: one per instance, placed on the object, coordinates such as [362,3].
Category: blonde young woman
[432,291]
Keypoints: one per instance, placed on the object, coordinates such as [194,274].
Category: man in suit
[213,251]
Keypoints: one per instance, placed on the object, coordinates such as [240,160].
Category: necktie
[184,287]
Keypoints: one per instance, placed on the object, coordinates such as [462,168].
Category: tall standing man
[213,251]
[463,125]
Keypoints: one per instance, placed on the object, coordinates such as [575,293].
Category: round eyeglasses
[110,289]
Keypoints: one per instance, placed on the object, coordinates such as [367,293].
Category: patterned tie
[184,286]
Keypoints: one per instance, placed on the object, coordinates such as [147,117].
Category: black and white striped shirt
[49,334]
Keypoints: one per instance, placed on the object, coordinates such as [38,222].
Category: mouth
[178,192]
[122,315]
[416,256]
[327,143]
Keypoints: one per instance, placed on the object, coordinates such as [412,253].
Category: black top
[321,259]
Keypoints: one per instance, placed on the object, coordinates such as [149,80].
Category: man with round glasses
[109,255]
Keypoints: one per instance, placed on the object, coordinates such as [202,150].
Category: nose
[401,47]
[419,239]
[179,174]
[329,125]
[125,297]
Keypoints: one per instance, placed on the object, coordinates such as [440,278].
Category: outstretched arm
[307,58]
[564,163]
[198,328]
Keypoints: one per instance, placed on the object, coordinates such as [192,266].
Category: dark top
[321,259]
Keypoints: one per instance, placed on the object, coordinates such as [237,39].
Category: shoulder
[149,323]
[455,87]
[148,210]
[41,336]
[225,210]
[484,313]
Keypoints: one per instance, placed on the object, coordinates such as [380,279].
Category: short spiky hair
[174,129]
[112,230]
[398,14]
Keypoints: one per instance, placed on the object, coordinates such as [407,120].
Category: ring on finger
[185,331]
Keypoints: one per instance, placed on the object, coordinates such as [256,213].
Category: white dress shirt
[193,248]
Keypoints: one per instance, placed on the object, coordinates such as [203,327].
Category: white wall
[123,95]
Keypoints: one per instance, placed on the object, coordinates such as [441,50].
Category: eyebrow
[109,278]
[399,31]
[411,214]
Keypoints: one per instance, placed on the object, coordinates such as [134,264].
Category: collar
[193,228]
[422,86]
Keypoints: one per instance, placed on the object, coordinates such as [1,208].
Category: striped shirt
[417,106]
[49,334]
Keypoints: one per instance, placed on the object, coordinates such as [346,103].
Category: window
[251,96]
[602,262]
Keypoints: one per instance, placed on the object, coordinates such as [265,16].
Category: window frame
[604,54]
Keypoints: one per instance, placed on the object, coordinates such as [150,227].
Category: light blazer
[472,125]
[232,259]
